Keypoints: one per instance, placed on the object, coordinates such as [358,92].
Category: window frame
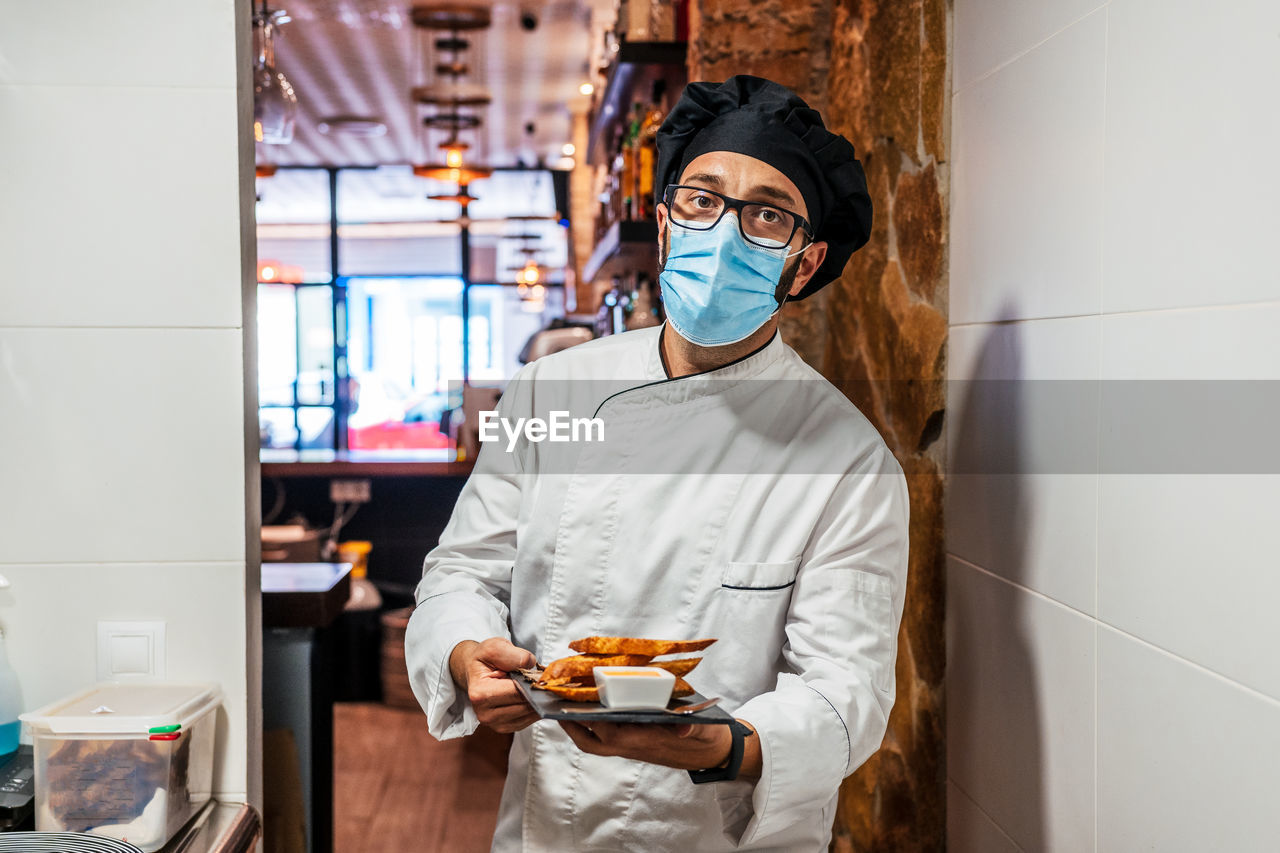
[340,372]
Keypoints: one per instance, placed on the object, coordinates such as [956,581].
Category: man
[738,496]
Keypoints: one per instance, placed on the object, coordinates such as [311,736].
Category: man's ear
[810,261]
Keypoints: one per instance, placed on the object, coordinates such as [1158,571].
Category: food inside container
[634,687]
[129,761]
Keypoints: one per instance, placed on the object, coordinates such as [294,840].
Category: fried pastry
[572,667]
[636,646]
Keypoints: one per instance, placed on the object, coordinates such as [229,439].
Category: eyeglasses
[763,225]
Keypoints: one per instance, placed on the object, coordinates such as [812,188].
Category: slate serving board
[551,707]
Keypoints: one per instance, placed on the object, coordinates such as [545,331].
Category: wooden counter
[328,463]
[304,595]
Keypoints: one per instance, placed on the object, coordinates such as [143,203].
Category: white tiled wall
[1026,241]
[1191,218]
[1186,758]
[1027,391]
[968,828]
[123,353]
[1020,722]
[201,603]
[1112,680]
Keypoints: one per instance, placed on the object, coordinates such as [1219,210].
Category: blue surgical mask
[716,287]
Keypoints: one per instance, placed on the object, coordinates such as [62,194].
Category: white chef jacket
[752,503]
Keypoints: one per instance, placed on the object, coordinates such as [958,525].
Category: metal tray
[551,707]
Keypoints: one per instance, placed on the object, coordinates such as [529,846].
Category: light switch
[130,654]
[130,650]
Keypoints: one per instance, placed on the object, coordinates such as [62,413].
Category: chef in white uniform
[730,492]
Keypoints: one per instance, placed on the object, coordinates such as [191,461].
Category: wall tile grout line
[1227,306]
[80,328]
[1271,700]
[985,814]
[76,564]
[1016,585]
[1230,682]
[979,323]
[123,87]
[1006,63]
[1097,703]
[1097,466]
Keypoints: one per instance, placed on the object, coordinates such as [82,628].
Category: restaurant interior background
[1065,193]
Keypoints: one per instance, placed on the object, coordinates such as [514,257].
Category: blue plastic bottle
[10,703]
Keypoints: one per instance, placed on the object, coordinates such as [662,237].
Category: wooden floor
[398,790]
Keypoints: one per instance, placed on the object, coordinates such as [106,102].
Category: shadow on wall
[994,743]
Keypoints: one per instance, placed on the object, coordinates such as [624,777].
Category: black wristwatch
[730,771]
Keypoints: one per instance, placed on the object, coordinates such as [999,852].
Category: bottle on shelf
[642,307]
[604,199]
[681,18]
[10,703]
[615,181]
[629,164]
[364,595]
[607,318]
[611,47]
[662,21]
[633,19]
[624,18]
[638,113]
[648,150]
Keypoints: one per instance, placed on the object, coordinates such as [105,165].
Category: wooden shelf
[627,247]
[637,62]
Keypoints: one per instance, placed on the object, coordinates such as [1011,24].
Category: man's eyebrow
[773,194]
[761,191]
[707,178]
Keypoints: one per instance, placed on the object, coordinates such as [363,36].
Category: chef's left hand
[683,746]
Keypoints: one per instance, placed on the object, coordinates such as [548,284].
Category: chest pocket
[760,577]
[748,613]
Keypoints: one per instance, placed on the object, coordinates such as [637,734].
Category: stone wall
[879,74]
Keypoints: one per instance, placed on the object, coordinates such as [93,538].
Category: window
[369,358]
[501,323]
[404,349]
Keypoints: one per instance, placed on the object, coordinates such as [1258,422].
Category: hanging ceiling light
[453,153]
[462,196]
[275,106]
[529,274]
[448,98]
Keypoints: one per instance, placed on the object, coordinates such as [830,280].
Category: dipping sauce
[634,687]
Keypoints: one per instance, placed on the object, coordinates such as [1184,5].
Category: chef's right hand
[480,670]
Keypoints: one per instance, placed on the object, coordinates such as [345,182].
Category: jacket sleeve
[828,714]
[465,589]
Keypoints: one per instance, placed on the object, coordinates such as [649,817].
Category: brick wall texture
[878,72]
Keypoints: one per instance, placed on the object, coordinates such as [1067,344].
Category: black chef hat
[759,118]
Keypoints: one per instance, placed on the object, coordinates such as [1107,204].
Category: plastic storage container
[129,761]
